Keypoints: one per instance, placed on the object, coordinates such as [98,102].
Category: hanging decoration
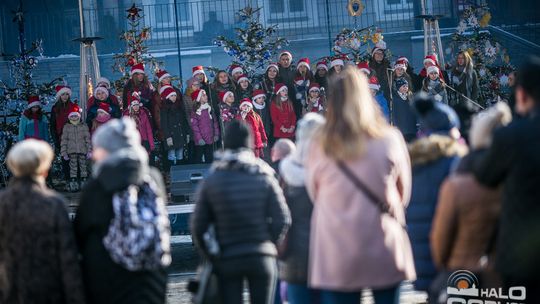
[357,43]
[355,8]
[255,46]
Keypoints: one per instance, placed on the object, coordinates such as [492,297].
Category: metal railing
[200,21]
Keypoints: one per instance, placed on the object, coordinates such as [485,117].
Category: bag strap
[383,206]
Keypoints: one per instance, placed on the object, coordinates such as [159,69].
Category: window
[285,6]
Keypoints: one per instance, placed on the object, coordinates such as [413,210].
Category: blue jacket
[383,103]
[432,158]
[27,128]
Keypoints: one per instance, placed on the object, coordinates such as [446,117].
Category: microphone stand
[391,103]
[465,97]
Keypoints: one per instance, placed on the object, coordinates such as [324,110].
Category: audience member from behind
[242,200]
[513,160]
[467,212]
[38,254]
[295,253]
[122,227]
[280,150]
[358,177]
[433,156]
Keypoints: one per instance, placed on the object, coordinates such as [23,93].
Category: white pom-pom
[438,97]
[298,96]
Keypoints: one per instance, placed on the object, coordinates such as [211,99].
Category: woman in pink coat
[142,118]
[357,243]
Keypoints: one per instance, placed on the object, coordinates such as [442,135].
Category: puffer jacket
[294,260]
[38,254]
[257,128]
[204,127]
[243,200]
[75,139]
[264,112]
[432,160]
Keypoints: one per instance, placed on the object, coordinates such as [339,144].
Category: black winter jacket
[295,256]
[106,281]
[514,160]
[38,255]
[243,200]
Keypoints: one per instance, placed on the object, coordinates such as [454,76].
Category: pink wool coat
[352,245]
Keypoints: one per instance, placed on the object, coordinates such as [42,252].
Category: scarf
[258,106]
[203,107]
[403,96]
[136,117]
[316,104]
[139,234]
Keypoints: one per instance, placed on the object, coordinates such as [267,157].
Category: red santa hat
[364,67]
[280,87]
[104,107]
[162,74]
[433,69]
[196,95]
[400,65]
[431,59]
[242,78]
[74,110]
[163,88]
[104,81]
[167,92]
[322,65]
[246,101]
[304,62]
[272,65]
[137,68]
[257,94]
[285,53]
[338,60]
[374,83]
[34,101]
[314,87]
[102,89]
[61,89]
[402,59]
[235,68]
[197,70]
[224,95]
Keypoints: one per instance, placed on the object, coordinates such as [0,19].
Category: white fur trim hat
[105,81]
[61,89]
[433,69]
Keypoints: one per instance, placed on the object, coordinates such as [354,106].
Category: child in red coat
[255,122]
[282,113]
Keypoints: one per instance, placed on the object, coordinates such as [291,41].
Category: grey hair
[30,158]
[284,147]
[483,125]
[307,127]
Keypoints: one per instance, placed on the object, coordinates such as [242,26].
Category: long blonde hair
[352,116]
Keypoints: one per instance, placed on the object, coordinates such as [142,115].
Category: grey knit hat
[116,135]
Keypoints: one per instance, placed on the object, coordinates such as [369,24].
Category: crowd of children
[189,125]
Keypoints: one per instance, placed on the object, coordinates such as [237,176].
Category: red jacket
[283,117]
[257,128]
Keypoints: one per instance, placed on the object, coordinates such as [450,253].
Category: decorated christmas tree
[136,50]
[491,60]
[356,44]
[255,46]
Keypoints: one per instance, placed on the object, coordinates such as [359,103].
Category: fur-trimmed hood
[292,172]
[434,147]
